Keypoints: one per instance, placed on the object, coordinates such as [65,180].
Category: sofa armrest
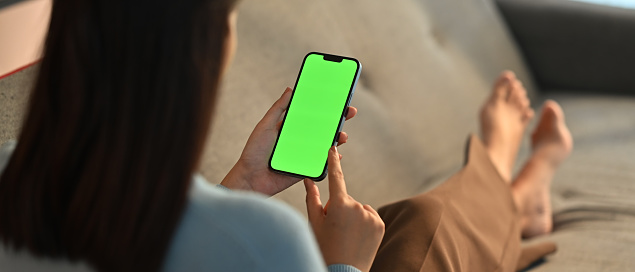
[575,46]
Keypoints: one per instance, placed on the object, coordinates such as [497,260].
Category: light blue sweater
[223,230]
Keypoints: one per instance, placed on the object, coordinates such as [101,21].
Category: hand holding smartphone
[315,115]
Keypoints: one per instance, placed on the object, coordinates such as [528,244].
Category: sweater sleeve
[220,186]
[331,268]
[224,230]
[291,245]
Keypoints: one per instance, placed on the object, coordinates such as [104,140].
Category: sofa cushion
[592,194]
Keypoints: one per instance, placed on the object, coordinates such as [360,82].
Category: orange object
[23,27]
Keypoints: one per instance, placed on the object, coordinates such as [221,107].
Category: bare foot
[504,117]
[552,144]
[552,139]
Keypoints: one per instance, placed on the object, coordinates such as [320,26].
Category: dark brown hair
[115,127]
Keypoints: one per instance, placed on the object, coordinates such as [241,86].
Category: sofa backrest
[427,67]
[576,46]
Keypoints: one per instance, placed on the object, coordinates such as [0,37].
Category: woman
[103,172]
[103,169]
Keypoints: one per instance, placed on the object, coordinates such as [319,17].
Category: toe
[503,85]
[525,102]
[549,116]
[553,108]
[517,95]
[551,125]
[528,115]
[508,73]
[558,123]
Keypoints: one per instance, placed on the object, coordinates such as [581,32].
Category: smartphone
[315,115]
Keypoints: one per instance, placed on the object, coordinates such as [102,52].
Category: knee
[423,207]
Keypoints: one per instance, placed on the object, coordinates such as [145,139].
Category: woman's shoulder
[224,208]
[204,195]
[237,231]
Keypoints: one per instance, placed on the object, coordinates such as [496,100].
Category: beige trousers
[468,223]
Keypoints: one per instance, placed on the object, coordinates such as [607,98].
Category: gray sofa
[428,65]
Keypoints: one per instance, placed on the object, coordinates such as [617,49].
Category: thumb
[272,117]
[313,203]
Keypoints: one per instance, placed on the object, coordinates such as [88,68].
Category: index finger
[337,186]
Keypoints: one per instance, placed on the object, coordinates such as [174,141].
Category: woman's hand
[251,172]
[347,231]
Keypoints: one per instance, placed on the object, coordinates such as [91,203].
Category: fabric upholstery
[14,92]
[428,65]
[425,74]
[594,207]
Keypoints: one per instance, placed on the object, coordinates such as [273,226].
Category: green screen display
[314,114]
